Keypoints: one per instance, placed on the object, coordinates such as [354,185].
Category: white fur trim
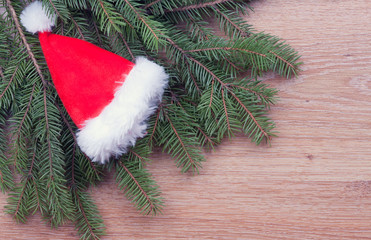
[35,19]
[124,120]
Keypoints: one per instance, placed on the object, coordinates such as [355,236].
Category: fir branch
[85,219]
[26,112]
[152,32]
[108,16]
[193,79]
[18,136]
[96,174]
[23,37]
[263,98]
[214,117]
[20,123]
[77,27]
[234,65]
[57,201]
[127,47]
[180,141]
[141,159]
[36,194]
[191,161]
[58,9]
[80,5]
[282,59]
[207,70]
[1,73]
[20,149]
[48,135]
[264,94]
[66,122]
[88,221]
[223,86]
[138,187]
[193,124]
[139,153]
[258,51]
[196,61]
[2,181]
[199,5]
[196,31]
[224,48]
[152,3]
[211,143]
[16,214]
[263,132]
[151,206]
[141,19]
[225,110]
[30,176]
[106,13]
[241,32]
[10,81]
[150,141]
[24,198]
[212,92]
[97,32]
[7,181]
[54,8]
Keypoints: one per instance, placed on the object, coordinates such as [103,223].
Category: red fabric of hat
[85,76]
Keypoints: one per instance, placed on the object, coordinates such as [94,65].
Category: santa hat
[108,97]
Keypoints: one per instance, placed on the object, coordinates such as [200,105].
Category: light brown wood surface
[314,182]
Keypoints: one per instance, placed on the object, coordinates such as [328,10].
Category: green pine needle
[139,187]
[88,222]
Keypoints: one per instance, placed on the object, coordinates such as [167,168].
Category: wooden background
[315,180]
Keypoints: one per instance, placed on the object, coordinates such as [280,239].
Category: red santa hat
[108,97]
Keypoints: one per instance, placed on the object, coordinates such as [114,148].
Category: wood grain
[314,182]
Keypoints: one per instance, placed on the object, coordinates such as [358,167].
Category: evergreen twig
[199,5]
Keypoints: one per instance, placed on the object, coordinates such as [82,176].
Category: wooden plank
[314,182]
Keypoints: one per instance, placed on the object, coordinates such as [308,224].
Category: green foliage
[6,176]
[88,222]
[139,188]
[209,98]
[176,132]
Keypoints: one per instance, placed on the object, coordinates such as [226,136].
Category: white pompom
[35,19]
